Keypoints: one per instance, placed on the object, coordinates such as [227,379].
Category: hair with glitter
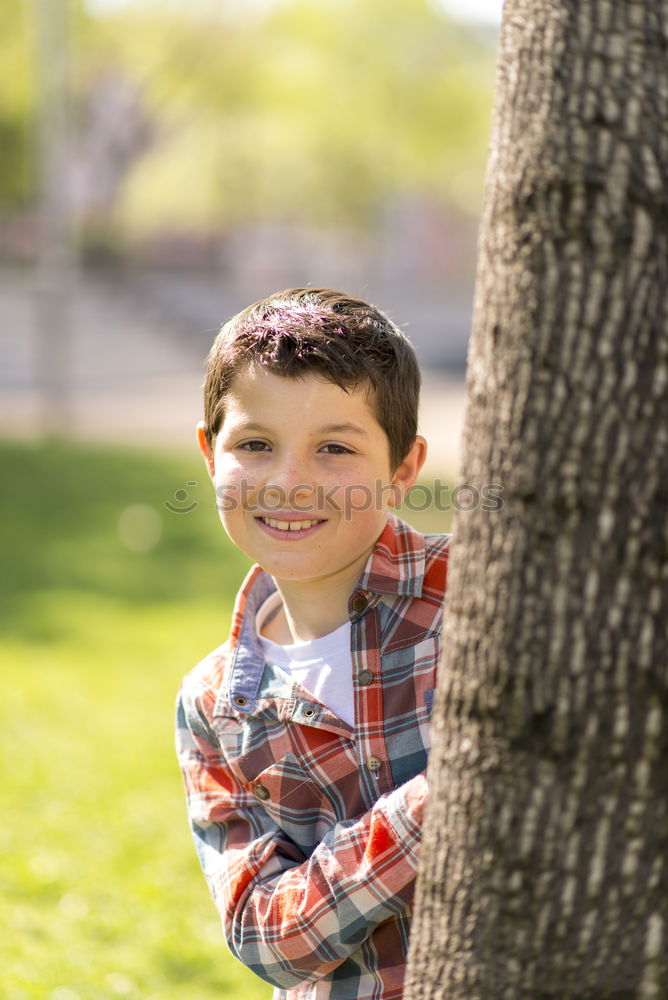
[319,331]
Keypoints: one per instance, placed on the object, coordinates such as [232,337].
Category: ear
[408,471]
[205,448]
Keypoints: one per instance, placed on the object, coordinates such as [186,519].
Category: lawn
[107,598]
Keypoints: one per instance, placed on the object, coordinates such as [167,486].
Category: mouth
[290,528]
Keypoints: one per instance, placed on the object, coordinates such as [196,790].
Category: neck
[303,617]
[311,610]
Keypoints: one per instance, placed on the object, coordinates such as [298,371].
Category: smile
[290,526]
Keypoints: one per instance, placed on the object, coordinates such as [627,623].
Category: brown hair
[316,330]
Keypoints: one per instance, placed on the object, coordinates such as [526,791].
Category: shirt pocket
[292,800]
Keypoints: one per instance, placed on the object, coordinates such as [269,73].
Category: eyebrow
[342,429]
[250,426]
[327,429]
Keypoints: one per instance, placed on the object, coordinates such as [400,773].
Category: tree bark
[544,863]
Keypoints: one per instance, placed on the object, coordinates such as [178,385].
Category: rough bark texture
[544,865]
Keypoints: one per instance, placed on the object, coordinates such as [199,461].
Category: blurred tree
[545,854]
[310,109]
[19,99]
[305,109]
[17,106]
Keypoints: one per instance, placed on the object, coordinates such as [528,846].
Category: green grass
[100,888]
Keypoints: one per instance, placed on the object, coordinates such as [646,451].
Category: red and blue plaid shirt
[308,830]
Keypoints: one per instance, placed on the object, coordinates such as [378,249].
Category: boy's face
[302,475]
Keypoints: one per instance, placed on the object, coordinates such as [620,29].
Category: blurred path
[135,380]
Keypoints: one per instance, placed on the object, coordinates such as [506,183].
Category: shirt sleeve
[291,918]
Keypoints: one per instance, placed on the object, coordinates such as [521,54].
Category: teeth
[288,525]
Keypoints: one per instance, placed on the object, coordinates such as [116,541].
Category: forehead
[258,394]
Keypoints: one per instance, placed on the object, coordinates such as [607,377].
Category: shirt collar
[247,660]
[397,564]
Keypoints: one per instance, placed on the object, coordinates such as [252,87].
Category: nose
[290,483]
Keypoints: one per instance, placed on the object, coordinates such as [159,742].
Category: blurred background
[162,165]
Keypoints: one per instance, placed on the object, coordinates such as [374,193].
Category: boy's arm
[289,918]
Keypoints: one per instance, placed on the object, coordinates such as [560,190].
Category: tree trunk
[544,863]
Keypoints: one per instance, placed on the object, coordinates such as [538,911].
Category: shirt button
[366,677]
[359,602]
[240,701]
[374,763]
[309,713]
[262,793]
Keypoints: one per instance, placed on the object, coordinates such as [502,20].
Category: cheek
[232,483]
[229,492]
[357,499]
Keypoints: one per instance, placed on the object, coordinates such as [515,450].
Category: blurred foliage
[101,894]
[17,106]
[301,109]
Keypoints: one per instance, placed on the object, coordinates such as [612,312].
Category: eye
[336,449]
[255,444]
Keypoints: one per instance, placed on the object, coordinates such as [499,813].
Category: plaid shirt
[308,830]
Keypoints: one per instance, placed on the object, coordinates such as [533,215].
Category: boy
[303,740]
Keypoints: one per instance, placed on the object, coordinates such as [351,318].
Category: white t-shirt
[323,666]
